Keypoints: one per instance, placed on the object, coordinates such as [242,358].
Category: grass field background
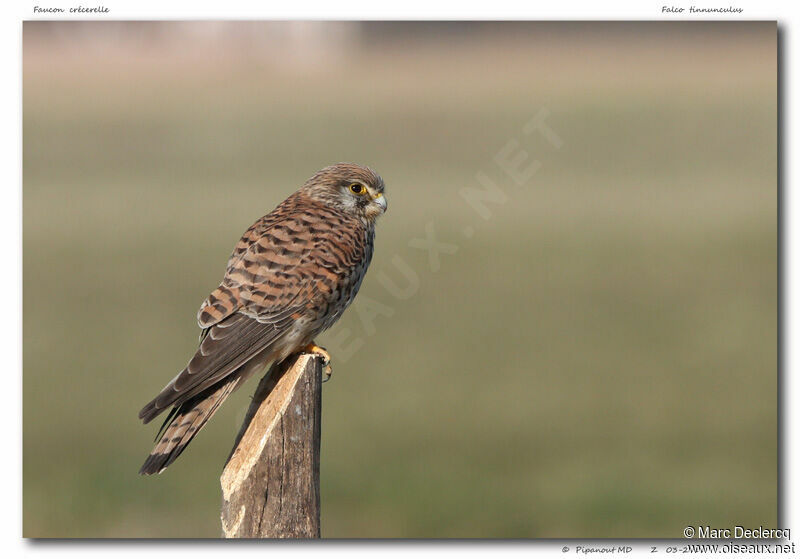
[598,359]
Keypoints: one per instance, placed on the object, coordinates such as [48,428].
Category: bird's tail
[183,423]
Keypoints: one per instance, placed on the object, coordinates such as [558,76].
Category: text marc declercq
[740,532]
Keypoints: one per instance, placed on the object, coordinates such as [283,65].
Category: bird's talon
[321,352]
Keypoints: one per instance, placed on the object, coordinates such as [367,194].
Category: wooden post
[270,484]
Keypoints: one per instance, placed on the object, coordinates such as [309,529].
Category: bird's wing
[225,348]
[263,293]
[226,299]
[287,272]
[298,252]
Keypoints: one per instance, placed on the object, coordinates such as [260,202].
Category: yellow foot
[314,349]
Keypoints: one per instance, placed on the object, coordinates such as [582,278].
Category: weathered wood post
[270,484]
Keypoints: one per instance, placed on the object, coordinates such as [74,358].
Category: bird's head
[351,188]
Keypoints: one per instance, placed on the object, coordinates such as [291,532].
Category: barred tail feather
[186,420]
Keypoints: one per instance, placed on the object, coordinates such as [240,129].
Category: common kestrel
[290,277]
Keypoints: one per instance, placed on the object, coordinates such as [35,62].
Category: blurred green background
[597,360]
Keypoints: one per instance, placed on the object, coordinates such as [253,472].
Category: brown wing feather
[244,269]
[256,303]
[225,348]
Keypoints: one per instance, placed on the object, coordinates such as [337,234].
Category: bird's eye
[357,188]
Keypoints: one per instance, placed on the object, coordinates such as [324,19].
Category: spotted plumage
[290,276]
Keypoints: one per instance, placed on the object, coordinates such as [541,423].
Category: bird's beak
[380,199]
